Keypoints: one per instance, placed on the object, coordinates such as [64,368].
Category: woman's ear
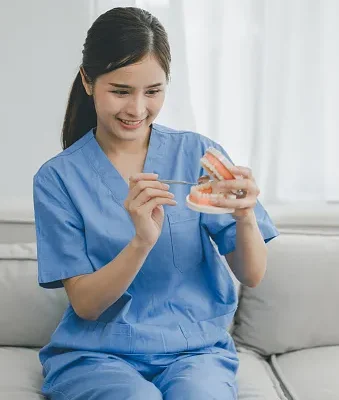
[85,82]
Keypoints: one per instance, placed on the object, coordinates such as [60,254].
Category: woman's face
[128,99]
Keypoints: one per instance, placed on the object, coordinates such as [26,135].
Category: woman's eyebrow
[120,85]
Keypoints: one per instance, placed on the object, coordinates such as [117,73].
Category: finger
[150,176]
[142,185]
[139,186]
[237,184]
[248,202]
[148,194]
[244,171]
[155,202]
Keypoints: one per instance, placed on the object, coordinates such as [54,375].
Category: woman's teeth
[130,122]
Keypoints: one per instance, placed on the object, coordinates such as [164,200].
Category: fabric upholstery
[310,374]
[296,305]
[29,314]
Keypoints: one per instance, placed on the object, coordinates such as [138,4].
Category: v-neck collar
[110,176]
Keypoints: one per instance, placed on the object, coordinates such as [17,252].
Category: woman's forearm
[250,257]
[92,294]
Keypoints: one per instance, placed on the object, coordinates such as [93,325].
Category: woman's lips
[130,124]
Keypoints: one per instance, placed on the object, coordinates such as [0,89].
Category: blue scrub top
[183,297]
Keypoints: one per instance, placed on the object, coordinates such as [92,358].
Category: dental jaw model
[199,199]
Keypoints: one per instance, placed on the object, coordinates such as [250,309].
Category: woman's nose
[136,106]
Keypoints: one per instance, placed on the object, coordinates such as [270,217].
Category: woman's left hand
[244,203]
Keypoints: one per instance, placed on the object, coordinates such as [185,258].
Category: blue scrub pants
[204,376]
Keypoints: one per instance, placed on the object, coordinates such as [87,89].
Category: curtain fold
[261,78]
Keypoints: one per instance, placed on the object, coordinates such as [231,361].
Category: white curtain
[261,78]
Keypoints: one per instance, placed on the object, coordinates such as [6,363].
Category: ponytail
[80,114]
[121,36]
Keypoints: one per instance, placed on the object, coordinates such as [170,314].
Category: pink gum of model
[199,199]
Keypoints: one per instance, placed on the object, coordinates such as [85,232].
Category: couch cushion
[29,314]
[310,374]
[21,376]
[296,305]
[256,380]
[17,226]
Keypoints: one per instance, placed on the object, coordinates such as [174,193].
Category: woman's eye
[152,92]
[120,92]
[125,92]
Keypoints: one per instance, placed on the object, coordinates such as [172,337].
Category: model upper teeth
[211,167]
[130,122]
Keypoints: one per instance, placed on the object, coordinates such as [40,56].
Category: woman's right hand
[144,203]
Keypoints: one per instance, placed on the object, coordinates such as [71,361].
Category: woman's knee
[203,390]
[112,392]
[146,391]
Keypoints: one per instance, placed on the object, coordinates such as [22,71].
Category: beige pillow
[28,313]
[296,305]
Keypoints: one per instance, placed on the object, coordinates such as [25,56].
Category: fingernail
[165,186]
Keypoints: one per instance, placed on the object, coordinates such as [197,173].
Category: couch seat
[256,379]
[310,374]
[20,377]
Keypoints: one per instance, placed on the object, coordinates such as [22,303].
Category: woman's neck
[114,146]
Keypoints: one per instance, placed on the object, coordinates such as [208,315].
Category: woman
[149,297]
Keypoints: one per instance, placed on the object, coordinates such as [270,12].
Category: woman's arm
[248,261]
[91,294]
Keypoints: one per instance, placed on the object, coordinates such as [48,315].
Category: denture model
[200,196]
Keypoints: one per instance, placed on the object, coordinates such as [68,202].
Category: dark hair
[119,37]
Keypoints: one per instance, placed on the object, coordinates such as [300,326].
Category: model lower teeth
[201,196]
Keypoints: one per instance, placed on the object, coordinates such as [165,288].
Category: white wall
[40,50]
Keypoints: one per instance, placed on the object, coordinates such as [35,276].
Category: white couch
[286,329]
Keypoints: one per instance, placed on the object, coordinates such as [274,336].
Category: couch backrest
[296,305]
[28,313]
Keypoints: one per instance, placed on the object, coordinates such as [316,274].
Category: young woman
[150,299]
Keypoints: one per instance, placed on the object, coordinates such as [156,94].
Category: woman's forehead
[146,73]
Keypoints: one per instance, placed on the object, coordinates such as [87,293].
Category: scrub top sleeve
[222,227]
[61,245]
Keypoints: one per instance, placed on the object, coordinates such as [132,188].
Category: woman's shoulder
[193,137]
[62,160]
